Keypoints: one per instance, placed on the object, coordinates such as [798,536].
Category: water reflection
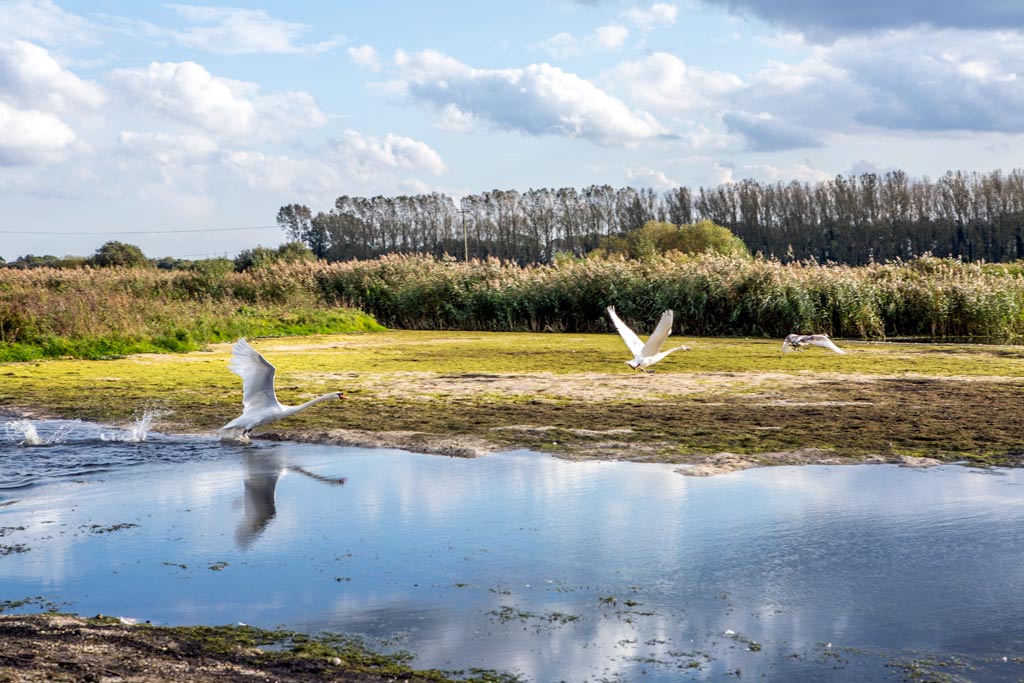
[560,571]
[263,468]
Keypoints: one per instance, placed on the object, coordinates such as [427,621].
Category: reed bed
[97,313]
[104,312]
[711,295]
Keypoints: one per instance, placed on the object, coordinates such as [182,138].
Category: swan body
[799,342]
[646,355]
[259,402]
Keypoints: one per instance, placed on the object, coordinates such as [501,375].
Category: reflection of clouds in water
[788,557]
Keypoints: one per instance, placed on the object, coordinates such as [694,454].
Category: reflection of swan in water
[262,470]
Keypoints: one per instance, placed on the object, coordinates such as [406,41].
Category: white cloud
[764,132]
[32,137]
[187,92]
[610,37]
[168,148]
[455,120]
[830,20]
[561,46]
[31,77]
[365,56]
[770,173]
[372,155]
[649,177]
[901,80]
[665,83]
[656,15]
[539,99]
[44,22]
[231,31]
[281,173]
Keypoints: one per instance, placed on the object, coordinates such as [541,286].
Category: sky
[183,128]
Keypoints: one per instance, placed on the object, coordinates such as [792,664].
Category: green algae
[572,394]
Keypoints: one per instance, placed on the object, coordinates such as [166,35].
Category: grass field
[572,395]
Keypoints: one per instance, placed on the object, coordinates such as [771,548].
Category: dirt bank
[69,649]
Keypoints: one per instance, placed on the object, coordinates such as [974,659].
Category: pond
[517,561]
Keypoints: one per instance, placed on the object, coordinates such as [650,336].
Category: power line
[138,232]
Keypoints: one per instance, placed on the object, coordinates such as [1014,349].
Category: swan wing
[660,334]
[633,342]
[824,342]
[257,377]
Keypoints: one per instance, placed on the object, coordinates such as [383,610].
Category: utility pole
[465,237]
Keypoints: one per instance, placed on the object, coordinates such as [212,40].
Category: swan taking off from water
[259,402]
[799,342]
[646,355]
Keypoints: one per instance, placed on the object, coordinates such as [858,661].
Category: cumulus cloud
[232,31]
[656,15]
[539,99]
[830,20]
[32,137]
[765,133]
[365,56]
[455,120]
[371,155]
[187,92]
[565,45]
[167,148]
[665,83]
[610,37]
[902,80]
[649,177]
[30,76]
[43,21]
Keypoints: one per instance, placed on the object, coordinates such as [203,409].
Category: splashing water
[26,430]
[137,432]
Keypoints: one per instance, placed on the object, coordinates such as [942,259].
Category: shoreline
[467,446]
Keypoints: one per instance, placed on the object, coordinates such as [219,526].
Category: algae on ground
[573,395]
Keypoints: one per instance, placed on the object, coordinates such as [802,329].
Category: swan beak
[341,395]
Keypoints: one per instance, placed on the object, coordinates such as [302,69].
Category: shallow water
[517,561]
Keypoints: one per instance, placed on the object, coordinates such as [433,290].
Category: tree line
[855,219]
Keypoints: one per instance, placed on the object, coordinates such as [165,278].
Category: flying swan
[259,402]
[646,355]
[799,342]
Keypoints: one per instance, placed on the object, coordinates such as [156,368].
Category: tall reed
[94,313]
[711,295]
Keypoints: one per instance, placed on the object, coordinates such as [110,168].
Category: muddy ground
[69,649]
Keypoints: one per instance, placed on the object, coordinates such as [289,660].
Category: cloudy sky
[184,127]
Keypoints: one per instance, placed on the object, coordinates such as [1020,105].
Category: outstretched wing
[257,376]
[660,334]
[824,342]
[633,342]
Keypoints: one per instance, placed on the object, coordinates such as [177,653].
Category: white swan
[798,342]
[259,402]
[646,355]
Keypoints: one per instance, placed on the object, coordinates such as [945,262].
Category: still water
[520,562]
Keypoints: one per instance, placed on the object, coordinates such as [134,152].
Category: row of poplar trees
[849,219]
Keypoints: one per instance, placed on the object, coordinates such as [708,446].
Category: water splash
[139,430]
[28,433]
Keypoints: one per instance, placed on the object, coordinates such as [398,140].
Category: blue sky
[120,117]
